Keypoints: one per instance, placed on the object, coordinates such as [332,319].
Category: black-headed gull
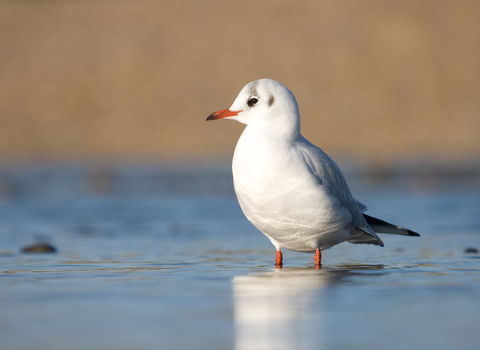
[287,187]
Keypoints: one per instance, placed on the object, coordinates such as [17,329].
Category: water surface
[160,257]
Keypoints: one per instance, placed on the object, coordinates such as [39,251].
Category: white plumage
[288,188]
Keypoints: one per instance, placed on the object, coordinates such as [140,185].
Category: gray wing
[330,175]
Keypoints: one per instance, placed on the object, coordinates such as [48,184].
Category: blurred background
[115,80]
[108,167]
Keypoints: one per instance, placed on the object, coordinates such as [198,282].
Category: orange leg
[279,259]
[318,259]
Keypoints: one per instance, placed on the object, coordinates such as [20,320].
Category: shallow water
[152,257]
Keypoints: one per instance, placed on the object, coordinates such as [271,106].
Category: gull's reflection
[281,309]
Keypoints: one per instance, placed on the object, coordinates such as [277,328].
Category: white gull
[288,188]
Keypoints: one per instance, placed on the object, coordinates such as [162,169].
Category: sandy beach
[125,79]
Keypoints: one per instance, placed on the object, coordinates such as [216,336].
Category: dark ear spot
[271,100]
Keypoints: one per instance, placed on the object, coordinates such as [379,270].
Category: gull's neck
[282,127]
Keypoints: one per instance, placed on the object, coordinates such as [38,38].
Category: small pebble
[471,250]
[39,248]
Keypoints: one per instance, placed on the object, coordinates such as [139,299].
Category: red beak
[222,114]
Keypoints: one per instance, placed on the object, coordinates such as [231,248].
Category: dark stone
[39,248]
[471,250]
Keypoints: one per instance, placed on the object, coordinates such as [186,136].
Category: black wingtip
[413,234]
[374,221]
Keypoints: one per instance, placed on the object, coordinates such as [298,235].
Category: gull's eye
[252,101]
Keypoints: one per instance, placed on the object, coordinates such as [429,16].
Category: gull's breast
[280,195]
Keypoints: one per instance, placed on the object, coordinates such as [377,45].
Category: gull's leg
[279,259]
[318,259]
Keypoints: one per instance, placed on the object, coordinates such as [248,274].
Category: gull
[288,188]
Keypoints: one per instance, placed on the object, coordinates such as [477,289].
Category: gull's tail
[381,226]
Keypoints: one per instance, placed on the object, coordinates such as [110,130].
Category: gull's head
[264,101]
